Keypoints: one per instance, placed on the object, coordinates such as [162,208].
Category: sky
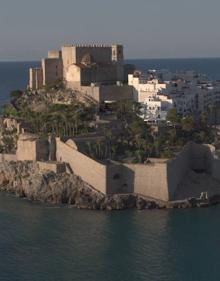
[146,28]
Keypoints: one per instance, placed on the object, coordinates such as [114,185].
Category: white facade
[190,97]
[143,88]
[149,93]
[187,91]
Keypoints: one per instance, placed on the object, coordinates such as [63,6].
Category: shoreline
[24,180]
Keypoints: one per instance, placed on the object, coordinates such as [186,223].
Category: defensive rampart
[89,170]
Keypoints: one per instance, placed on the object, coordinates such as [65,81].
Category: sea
[41,242]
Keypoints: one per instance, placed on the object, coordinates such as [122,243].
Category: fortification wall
[73,75]
[196,157]
[89,170]
[115,93]
[104,93]
[68,58]
[150,180]
[53,54]
[99,54]
[52,70]
[42,150]
[216,169]
[35,78]
[106,74]
[202,157]
[26,150]
[120,179]
[177,169]
[92,92]
[32,150]
[8,157]
[52,166]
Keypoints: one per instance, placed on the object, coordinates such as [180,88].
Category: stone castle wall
[115,93]
[32,150]
[99,54]
[117,178]
[216,169]
[8,157]
[151,180]
[104,93]
[89,170]
[35,78]
[177,169]
[52,70]
[57,168]
[160,179]
[195,157]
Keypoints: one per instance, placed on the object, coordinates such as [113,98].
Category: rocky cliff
[25,180]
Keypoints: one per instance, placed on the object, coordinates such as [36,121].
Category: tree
[172,116]
[16,94]
[9,111]
[188,124]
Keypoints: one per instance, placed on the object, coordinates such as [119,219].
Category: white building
[193,96]
[149,92]
[187,91]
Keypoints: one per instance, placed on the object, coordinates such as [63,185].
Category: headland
[95,133]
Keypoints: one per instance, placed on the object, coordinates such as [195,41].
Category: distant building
[190,96]
[158,91]
[149,92]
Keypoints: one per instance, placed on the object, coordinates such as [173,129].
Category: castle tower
[117,53]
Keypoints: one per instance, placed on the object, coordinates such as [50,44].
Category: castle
[94,70]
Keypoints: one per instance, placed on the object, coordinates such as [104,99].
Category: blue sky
[147,28]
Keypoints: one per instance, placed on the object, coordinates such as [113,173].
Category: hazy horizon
[151,29]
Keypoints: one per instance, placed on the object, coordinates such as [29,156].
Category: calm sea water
[13,76]
[45,243]
[60,244]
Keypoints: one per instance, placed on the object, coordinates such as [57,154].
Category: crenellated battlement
[93,45]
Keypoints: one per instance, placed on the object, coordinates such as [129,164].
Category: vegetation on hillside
[60,119]
[135,140]
[131,140]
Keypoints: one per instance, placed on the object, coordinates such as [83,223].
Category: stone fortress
[94,70]
[161,180]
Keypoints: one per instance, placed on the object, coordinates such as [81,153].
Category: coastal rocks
[140,203]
